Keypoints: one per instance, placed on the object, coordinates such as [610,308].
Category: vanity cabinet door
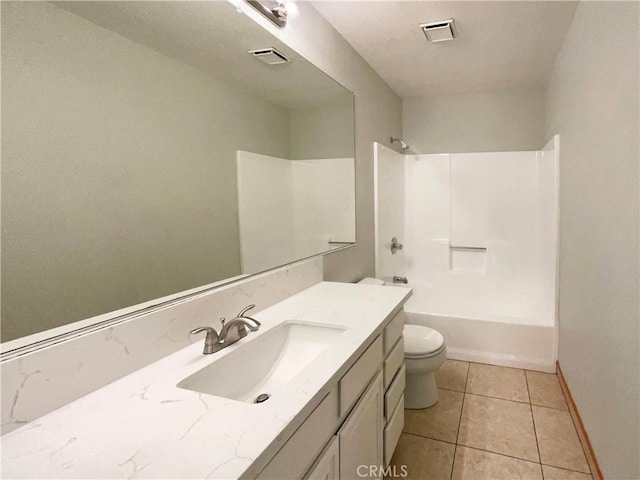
[360,437]
[306,444]
[327,467]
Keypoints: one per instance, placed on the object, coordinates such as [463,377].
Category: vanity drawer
[393,362]
[394,392]
[353,383]
[301,450]
[393,331]
[393,430]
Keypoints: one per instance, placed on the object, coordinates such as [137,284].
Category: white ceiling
[500,45]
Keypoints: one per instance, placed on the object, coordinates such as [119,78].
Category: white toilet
[424,354]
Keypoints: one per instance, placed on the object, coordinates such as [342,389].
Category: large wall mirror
[146,151]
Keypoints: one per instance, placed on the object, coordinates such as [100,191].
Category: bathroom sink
[265,364]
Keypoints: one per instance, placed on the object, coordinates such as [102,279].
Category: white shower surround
[311,201]
[497,306]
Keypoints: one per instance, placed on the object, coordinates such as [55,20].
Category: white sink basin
[266,363]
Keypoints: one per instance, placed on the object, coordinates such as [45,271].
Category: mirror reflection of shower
[403,146]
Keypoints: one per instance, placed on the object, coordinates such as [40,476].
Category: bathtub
[526,340]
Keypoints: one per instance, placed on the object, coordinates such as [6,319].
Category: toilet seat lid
[420,341]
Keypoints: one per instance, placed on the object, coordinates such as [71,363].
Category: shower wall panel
[292,209]
[389,193]
[479,232]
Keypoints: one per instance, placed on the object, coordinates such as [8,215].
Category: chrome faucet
[240,325]
[210,341]
[242,316]
[215,341]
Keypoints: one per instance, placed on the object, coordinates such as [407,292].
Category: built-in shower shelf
[468,249]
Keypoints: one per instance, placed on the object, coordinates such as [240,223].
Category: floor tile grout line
[566,404]
[576,430]
[507,399]
[498,366]
[501,366]
[428,438]
[450,389]
[480,449]
[465,392]
[502,454]
[503,399]
[460,420]
[550,408]
[567,469]
[466,378]
[575,427]
[533,422]
[455,449]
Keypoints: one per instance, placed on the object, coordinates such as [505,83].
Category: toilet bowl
[424,353]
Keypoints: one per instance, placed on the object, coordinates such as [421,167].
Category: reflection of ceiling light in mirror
[274,10]
[292,10]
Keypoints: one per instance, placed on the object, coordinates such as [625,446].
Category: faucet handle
[210,340]
[245,310]
[242,316]
[209,330]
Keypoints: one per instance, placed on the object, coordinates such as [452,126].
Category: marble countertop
[144,426]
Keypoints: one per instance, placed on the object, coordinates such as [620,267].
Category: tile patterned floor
[492,423]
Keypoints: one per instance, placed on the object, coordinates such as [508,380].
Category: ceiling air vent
[439,31]
[270,56]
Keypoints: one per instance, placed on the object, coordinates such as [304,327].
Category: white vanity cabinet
[327,467]
[359,441]
[394,383]
[335,413]
[360,437]
[307,442]
[357,425]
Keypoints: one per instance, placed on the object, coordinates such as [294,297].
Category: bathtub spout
[397,279]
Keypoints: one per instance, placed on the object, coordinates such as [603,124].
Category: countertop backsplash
[44,380]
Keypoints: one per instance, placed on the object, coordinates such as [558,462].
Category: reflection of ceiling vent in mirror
[439,31]
[270,56]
